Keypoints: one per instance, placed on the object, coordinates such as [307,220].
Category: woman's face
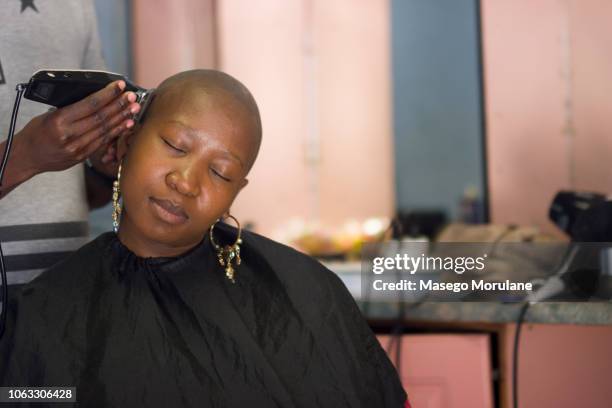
[182,172]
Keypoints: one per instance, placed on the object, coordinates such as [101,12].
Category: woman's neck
[144,247]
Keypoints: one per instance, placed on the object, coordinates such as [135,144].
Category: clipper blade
[144,98]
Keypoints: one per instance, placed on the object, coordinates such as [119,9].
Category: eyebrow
[191,132]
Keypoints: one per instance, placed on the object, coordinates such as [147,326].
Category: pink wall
[547,92]
[320,72]
[171,36]
[356,166]
[592,93]
[525,91]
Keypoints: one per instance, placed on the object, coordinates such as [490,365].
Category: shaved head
[215,90]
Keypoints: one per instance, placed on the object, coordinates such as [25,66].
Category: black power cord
[4,303]
[7,150]
[395,339]
[517,337]
[398,329]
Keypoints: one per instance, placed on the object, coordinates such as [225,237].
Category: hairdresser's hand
[106,159]
[62,138]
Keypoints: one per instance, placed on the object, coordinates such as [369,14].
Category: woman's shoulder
[57,295]
[73,272]
[280,252]
[287,260]
[304,277]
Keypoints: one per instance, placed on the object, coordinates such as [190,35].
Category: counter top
[582,313]
[490,312]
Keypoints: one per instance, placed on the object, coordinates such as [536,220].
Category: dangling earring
[116,205]
[228,253]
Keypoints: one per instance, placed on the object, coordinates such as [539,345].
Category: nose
[185,182]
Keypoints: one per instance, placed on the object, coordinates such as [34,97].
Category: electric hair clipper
[63,87]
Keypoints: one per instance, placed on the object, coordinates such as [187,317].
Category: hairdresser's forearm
[18,169]
[98,193]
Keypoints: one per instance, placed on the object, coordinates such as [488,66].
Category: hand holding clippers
[60,88]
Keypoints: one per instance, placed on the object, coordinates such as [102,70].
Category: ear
[243,184]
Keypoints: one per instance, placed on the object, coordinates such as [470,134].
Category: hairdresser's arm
[17,170]
[104,163]
[100,176]
[98,188]
[60,139]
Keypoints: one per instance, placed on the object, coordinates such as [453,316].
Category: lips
[168,211]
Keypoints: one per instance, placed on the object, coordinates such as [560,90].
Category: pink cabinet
[560,366]
[446,370]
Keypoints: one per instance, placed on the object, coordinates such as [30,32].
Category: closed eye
[222,177]
[172,146]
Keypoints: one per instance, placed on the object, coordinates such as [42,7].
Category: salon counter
[491,312]
[581,313]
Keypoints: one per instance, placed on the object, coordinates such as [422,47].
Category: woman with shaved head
[178,309]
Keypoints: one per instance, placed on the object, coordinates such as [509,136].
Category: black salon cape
[174,332]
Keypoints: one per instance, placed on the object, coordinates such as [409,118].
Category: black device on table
[60,88]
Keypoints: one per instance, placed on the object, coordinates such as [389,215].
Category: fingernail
[121,85]
[129,124]
[134,108]
[131,97]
